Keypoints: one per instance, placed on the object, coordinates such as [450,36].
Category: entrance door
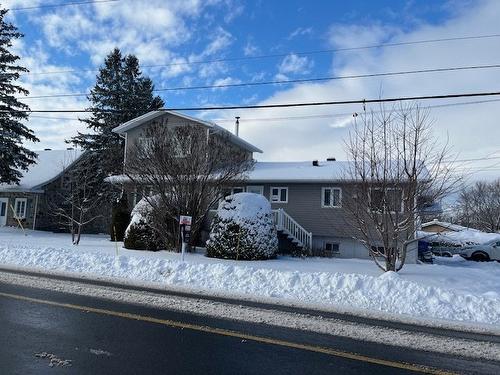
[3,211]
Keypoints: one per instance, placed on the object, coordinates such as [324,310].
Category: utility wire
[305,117]
[290,81]
[258,57]
[61,5]
[281,105]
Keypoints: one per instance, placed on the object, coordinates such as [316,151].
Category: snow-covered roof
[49,165]
[463,237]
[302,171]
[284,172]
[446,225]
[125,127]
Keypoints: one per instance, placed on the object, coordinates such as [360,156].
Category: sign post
[185,227]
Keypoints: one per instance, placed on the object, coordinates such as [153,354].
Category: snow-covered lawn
[452,289]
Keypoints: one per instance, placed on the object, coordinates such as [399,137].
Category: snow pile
[462,238]
[243,229]
[389,293]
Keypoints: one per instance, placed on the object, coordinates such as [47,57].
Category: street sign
[185,224]
[185,220]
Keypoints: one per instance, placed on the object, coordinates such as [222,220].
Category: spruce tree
[14,158]
[120,94]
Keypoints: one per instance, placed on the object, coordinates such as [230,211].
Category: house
[306,197]
[436,226]
[28,203]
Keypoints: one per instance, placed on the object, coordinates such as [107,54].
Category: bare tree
[187,167]
[76,204]
[478,206]
[394,160]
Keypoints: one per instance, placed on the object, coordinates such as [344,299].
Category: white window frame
[396,188]
[280,188]
[259,187]
[23,213]
[331,195]
[242,188]
[331,243]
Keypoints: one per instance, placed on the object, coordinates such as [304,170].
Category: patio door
[3,211]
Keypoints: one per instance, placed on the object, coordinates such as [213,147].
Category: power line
[62,5]
[305,117]
[345,114]
[277,55]
[290,81]
[282,105]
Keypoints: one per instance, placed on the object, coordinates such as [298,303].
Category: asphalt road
[104,337]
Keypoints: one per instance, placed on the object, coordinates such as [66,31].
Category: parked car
[482,253]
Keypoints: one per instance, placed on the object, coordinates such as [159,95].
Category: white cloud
[300,31]
[295,64]
[473,130]
[250,49]
[225,81]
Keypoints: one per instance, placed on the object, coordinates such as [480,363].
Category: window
[145,143]
[181,146]
[331,197]
[20,208]
[388,199]
[255,189]
[331,249]
[279,195]
[232,190]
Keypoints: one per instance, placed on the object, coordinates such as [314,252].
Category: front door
[3,211]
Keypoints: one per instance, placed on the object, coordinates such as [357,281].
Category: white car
[482,253]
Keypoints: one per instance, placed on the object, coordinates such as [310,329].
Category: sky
[73,41]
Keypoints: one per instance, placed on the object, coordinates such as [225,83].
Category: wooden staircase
[296,233]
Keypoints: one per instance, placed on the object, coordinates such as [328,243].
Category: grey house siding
[173,121]
[327,224]
[27,222]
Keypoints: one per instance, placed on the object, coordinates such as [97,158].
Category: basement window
[331,249]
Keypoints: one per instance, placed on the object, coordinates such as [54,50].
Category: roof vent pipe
[237,126]
[331,159]
[47,149]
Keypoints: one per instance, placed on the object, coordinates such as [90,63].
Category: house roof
[302,171]
[125,127]
[446,225]
[287,172]
[49,165]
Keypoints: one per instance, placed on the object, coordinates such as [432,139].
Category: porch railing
[284,222]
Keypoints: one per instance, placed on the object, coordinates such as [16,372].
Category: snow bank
[389,293]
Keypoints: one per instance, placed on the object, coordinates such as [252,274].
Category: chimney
[237,126]
[315,163]
[331,159]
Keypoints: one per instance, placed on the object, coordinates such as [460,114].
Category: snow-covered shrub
[140,234]
[243,229]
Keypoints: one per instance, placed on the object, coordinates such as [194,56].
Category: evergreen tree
[14,158]
[120,94]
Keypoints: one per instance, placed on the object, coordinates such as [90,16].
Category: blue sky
[76,39]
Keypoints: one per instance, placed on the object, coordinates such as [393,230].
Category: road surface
[86,335]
